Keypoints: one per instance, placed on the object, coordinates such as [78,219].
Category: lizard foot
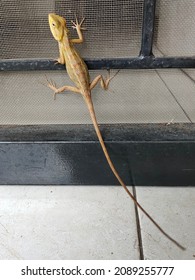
[78,25]
[58,61]
[51,84]
[108,79]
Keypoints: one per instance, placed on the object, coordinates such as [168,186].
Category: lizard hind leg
[103,82]
[51,84]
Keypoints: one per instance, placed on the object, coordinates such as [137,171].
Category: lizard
[79,74]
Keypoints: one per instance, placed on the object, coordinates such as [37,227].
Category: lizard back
[76,68]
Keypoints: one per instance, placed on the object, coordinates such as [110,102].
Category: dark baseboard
[144,154]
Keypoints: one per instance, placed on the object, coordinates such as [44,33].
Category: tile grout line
[139,234]
[138,227]
[173,96]
[186,74]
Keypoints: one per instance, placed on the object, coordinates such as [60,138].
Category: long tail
[89,103]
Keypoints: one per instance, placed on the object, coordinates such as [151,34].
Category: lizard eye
[53,24]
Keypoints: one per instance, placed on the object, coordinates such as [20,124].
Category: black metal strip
[111,63]
[148,27]
[71,155]
[79,133]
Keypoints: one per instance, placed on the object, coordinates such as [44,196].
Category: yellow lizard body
[79,74]
[75,65]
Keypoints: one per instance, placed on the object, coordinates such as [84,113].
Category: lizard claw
[51,84]
[58,61]
[77,25]
[54,95]
[109,77]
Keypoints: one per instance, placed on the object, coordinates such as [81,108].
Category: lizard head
[57,26]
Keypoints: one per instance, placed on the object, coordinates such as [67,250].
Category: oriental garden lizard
[79,74]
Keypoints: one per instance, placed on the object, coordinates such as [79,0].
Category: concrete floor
[79,222]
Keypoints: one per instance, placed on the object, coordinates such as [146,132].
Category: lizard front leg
[61,58]
[51,84]
[78,27]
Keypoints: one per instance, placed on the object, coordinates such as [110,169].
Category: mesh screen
[113,30]
[137,96]
[113,27]
[175,28]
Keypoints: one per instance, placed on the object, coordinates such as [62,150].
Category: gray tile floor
[174,209]
[79,222]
